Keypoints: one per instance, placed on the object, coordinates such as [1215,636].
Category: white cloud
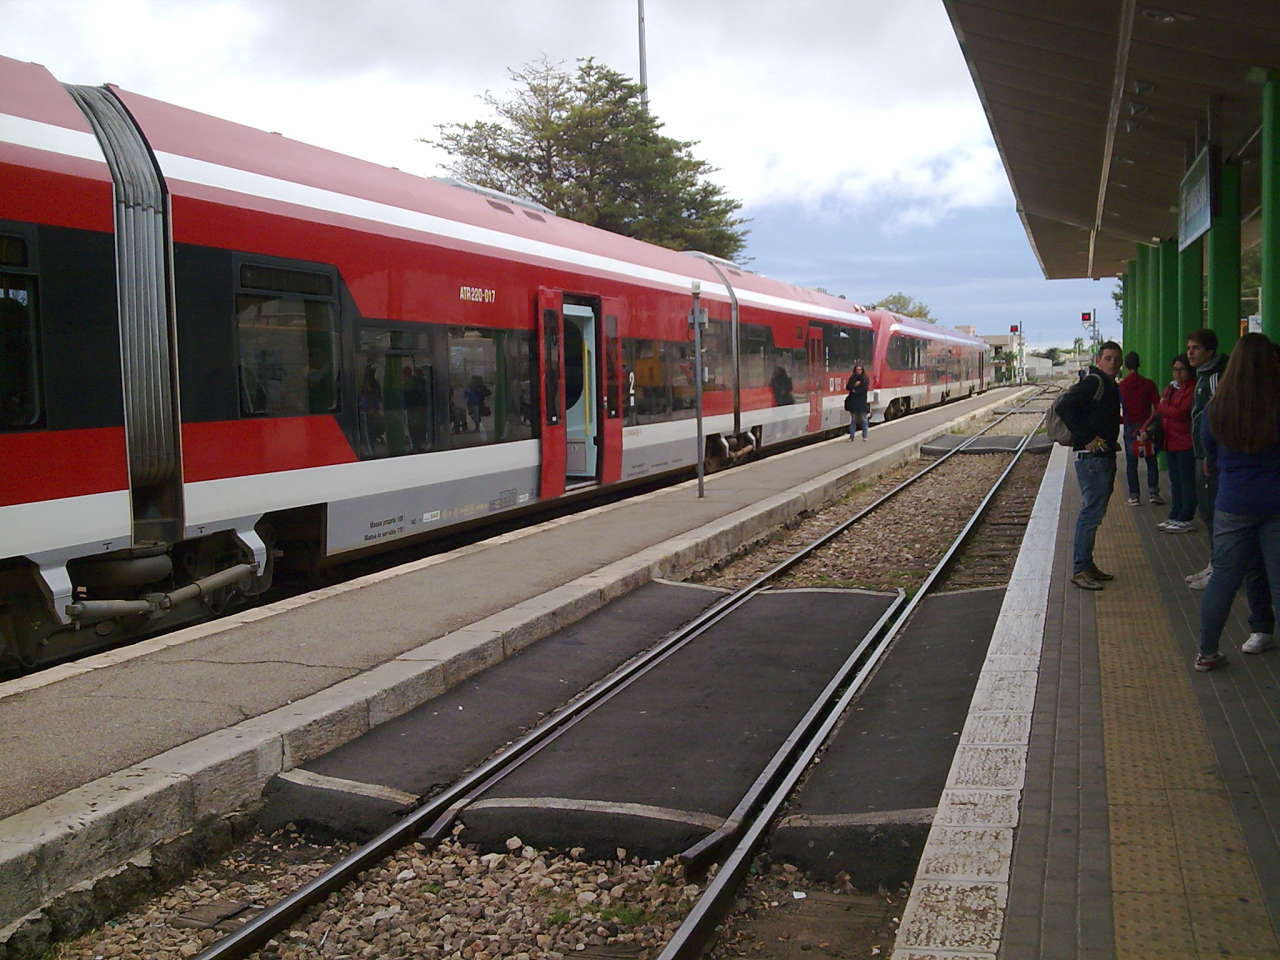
[825,104]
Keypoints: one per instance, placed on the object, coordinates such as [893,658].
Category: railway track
[734,842]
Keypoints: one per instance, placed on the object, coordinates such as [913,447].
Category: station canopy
[1098,106]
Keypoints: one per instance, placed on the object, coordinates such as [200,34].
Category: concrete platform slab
[861,810]
[434,744]
[688,749]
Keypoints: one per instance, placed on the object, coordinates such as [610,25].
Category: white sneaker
[1205,573]
[1201,583]
[1258,642]
[1164,524]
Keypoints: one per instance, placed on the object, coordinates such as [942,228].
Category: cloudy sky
[849,129]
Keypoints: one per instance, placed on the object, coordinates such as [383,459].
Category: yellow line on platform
[1182,882]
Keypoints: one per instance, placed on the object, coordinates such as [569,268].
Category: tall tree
[582,144]
[907,306]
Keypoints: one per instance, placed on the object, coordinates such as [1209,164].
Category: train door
[817,377]
[551,392]
[611,381]
[581,393]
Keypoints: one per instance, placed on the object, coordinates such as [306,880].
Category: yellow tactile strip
[1182,884]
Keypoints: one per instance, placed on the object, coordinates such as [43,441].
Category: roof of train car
[225,151]
[931,331]
[37,113]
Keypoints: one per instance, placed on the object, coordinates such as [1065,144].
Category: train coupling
[83,612]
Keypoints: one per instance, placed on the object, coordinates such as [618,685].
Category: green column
[1271,207]
[1146,299]
[1224,261]
[1167,330]
[1190,297]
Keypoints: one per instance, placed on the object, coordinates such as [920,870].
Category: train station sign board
[1196,196]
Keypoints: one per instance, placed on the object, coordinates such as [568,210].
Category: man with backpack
[1090,410]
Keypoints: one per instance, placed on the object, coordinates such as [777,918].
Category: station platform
[1106,800]
[115,764]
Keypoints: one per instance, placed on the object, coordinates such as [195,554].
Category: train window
[680,376]
[648,388]
[755,343]
[491,380]
[19,351]
[613,380]
[395,398]
[847,346]
[13,251]
[905,353]
[551,364]
[288,355]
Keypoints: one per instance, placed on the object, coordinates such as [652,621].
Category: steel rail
[433,817]
[696,932]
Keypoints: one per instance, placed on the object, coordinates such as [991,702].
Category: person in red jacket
[1174,415]
[1138,398]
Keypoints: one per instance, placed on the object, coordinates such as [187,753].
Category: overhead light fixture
[1165,17]
[1126,160]
[1142,87]
[1136,108]
[1131,126]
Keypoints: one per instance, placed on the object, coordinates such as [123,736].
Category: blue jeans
[1182,483]
[1206,495]
[858,420]
[1096,475]
[1131,465]
[1246,547]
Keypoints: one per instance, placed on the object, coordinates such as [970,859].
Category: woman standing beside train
[856,401]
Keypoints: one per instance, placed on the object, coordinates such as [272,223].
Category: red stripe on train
[52,464]
[238,448]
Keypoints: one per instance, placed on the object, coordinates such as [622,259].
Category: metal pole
[644,67]
[1269,308]
[697,317]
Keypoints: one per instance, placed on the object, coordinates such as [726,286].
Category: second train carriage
[221,344]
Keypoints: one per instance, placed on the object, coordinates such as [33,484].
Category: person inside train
[780,384]
[369,403]
[476,394]
[1241,434]
[856,401]
[415,406]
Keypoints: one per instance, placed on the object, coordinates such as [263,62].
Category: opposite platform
[1148,821]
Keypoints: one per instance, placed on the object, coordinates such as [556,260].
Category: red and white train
[222,347]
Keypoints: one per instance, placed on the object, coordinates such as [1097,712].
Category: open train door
[551,392]
[817,378]
[611,396]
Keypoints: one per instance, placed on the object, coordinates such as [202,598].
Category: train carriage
[223,347]
[920,364]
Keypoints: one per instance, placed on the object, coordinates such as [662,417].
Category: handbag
[848,401]
[1155,434]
